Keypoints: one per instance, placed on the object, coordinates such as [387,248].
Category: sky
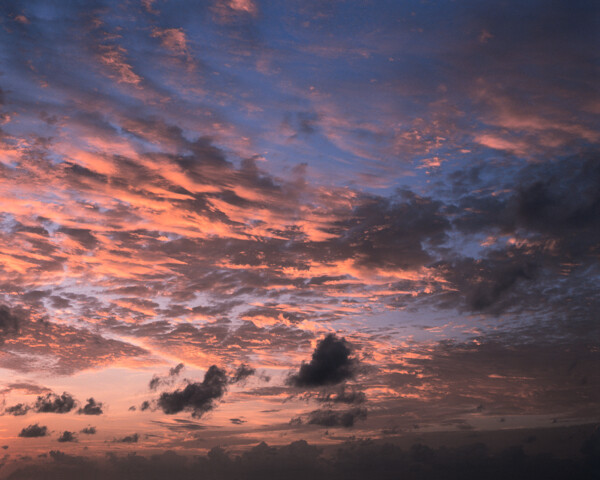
[231,222]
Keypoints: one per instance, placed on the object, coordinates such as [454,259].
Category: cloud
[9,323]
[241,373]
[342,395]
[156,380]
[332,418]
[89,430]
[34,431]
[25,387]
[91,408]
[330,364]
[133,438]
[488,457]
[17,410]
[53,403]
[198,397]
[67,436]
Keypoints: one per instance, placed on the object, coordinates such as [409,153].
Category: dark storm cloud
[91,408]
[331,418]
[199,397]
[89,430]
[241,373]
[34,431]
[330,364]
[67,436]
[53,403]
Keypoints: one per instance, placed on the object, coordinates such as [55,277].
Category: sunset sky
[232,221]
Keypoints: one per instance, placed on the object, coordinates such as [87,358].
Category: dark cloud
[198,397]
[91,408]
[332,418]
[241,373]
[53,403]
[34,431]
[133,438]
[352,460]
[18,409]
[89,430]
[342,395]
[156,380]
[67,436]
[331,363]
[384,232]
[9,323]
[144,406]
[237,421]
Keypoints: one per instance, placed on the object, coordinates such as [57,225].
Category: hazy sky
[231,221]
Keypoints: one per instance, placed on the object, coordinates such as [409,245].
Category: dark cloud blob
[89,430]
[241,373]
[18,409]
[198,397]
[144,406]
[332,418]
[157,380]
[67,436]
[91,408]
[343,395]
[34,430]
[133,438]
[9,323]
[52,403]
[330,364]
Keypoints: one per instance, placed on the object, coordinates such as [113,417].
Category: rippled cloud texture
[235,221]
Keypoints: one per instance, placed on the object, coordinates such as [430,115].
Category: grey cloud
[241,373]
[91,408]
[330,364]
[17,410]
[67,436]
[33,431]
[199,397]
[53,403]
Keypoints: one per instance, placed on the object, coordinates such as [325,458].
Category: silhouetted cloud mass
[53,403]
[17,410]
[67,436]
[241,373]
[332,418]
[330,364]
[34,430]
[91,408]
[199,397]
